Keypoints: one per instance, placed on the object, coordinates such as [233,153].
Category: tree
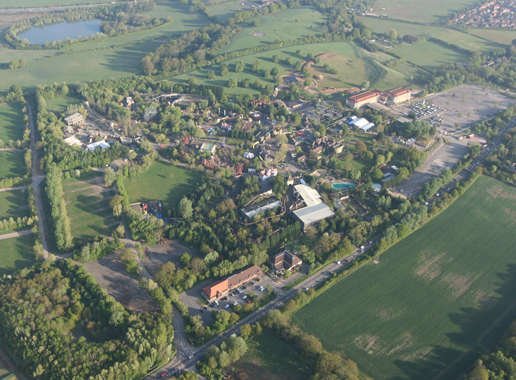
[256,22]
[185,208]
[393,34]
[360,147]
[246,330]
[239,66]
[377,175]
[232,82]
[109,176]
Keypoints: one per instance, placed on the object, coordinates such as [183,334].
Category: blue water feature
[61,31]
[340,186]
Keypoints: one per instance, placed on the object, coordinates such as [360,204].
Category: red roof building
[221,288]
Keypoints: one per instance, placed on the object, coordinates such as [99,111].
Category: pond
[340,186]
[62,31]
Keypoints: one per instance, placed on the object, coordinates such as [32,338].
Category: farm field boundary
[423,310]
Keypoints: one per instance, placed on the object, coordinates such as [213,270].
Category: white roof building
[315,209]
[361,123]
[103,144]
[72,140]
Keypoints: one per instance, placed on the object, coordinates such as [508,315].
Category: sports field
[16,253]
[13,204]
[12,164]
[435,301]
[420,10]
[87,205]
[163,181]
[11,122]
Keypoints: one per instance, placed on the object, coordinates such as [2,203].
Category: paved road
[48,9]
[37,178]
[15,234]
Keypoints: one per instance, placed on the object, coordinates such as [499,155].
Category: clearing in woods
[13,204]
[16,253]
[11,122]
[87,205]
[162,181]
[12,164]
[436,301]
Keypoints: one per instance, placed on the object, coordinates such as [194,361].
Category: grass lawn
[503,37]
[62,103]
[346,51]
[286,25]
[262,360]
[16,253]
[420,10]
[11,122]
[163,181]
[11,202]
[430,55]
[87,205]
[12,164]
[436,301]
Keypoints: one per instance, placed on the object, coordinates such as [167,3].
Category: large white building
[315,210]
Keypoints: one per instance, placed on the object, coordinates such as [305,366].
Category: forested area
[56,322]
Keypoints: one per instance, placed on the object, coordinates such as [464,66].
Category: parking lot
[197,305]
[462,105]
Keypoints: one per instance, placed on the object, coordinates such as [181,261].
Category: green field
[16,253]
[420,10]
[44,3]
[435,301]
[61,104]
[503,37]
[261,361]
[353,65]
[12,164]
[163,181]
[87,205]
[13,204]
[287,25]
[11,122]
[430,55]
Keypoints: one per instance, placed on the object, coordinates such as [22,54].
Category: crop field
[286,25]
[16,253]
[435,301]
[87,205]
[13,204]
[420,10]
[163,181]
[11,122]
[61,104]
[12,164]
[261,361]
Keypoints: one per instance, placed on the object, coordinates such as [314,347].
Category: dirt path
[37,178]
[14,188]
[11,150]
[6,362]
[15,234]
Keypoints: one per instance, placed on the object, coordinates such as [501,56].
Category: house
[285,260]
[128,101]
[265,174]
[338,148]
[290,181]
[221,288]
[314,210]
[74,119]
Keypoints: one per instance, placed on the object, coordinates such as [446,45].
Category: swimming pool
[340,186]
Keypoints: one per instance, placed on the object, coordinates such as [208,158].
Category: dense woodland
[56,322]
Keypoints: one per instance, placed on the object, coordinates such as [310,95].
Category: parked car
[244,297]
[216,303]
[225,307]
[235,303]
[224,298]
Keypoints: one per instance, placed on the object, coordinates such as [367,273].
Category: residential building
[74,119]
[265,174]
[262,206]
[223,287]
[285,260]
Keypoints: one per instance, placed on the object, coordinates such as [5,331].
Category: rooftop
[310,196]
[314,213]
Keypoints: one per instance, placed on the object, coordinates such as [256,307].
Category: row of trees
[54,190]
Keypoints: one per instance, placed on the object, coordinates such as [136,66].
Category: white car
[234,303]
[225,307]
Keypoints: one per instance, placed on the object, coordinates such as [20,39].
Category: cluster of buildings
[491,14]
[309,207]
[395,96]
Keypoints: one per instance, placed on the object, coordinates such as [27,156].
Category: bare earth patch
[258,34]
[459,284]
[368,343]
[156,256]
[406,342]
[111,274]
[431,268]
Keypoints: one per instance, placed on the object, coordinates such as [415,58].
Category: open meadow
[44,3]
[261,361]
[420,10]
[60,104]
[12,164]
[435,301]
[13,204]
[162,181]
[16,253]
[87,205]
[11,122]
[430,55]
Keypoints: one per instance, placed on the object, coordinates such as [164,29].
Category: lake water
[62,31]
[339,186]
